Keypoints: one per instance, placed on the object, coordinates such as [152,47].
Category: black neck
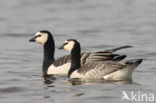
[75,59]
[49,49]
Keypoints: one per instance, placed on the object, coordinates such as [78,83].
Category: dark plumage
[108,70]
[86,57]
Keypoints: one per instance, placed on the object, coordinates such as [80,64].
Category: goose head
[45,38]
[70,44]
[73,46]
[41,37]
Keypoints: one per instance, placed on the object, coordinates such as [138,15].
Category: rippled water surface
[97,24]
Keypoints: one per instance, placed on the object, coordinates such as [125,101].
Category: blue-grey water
[97,24]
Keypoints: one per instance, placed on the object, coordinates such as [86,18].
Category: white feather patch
[75,74]
[122,74]
[42,39]
[62,70]
[69,46]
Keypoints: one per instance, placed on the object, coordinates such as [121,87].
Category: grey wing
[99,56]
[87,57]
[104,68]
[110,67]
[62,60]
[67,58]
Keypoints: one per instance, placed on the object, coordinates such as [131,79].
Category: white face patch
[69,46]
[41,37]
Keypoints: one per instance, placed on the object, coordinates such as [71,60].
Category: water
[97,24]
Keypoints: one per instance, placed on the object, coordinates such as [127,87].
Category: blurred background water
[97,24]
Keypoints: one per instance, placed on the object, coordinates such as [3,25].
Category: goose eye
[65,44]
[39,36]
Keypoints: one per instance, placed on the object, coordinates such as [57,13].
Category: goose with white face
[40,38]
[68,45]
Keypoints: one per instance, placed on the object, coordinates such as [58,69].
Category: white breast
[63,69]
[75,74]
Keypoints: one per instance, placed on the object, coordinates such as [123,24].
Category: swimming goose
[107,70]
[62,65]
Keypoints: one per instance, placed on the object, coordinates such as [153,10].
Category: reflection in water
[76,94]
[10,89]
[121,82]
[49,79]
[74,82]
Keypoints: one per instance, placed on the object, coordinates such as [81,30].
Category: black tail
[119,58]
[134,61]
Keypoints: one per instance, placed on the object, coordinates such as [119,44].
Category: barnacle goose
[107,70]
[62,65]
